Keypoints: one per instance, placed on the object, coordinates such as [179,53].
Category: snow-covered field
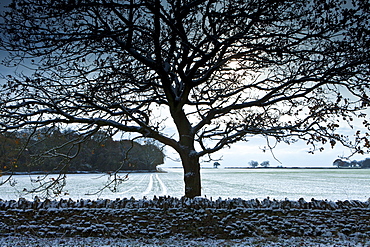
[345,223]
[331,184]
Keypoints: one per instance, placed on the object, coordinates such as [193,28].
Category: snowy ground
[330,184]
[178,241]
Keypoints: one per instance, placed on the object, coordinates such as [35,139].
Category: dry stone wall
[162,217]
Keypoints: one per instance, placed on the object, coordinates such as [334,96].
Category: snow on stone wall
[162,217]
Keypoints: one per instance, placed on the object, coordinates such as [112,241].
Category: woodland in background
[53,150]
[352,164]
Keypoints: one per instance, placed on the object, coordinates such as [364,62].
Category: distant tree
[106,155]
[253,163]
[337,163]
[341,163]
[221,71]
[365,163]
[146,156]
[216,165]
[265,163]
[9,151]
[152,154]
[50,149]
[355,163]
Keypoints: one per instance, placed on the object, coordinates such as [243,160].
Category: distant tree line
[254,163]
[52,149]
[352,164]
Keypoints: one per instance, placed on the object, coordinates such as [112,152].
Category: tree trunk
[186,150]
[191,176]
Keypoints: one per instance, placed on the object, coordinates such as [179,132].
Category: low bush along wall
[162,217]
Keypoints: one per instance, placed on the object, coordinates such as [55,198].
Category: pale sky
[241,153]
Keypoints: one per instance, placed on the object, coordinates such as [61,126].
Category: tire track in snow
[155,186]
[149,187]
[163,186]
[136,185]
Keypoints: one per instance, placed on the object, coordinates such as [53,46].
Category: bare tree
[221,70]
[265,163]
[253,163]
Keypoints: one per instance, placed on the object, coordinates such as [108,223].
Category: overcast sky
[241,153]
[289,155]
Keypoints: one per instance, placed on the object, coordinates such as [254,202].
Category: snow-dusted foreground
[168,221]
[180,241]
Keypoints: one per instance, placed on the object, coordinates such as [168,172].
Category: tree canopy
[218,71]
